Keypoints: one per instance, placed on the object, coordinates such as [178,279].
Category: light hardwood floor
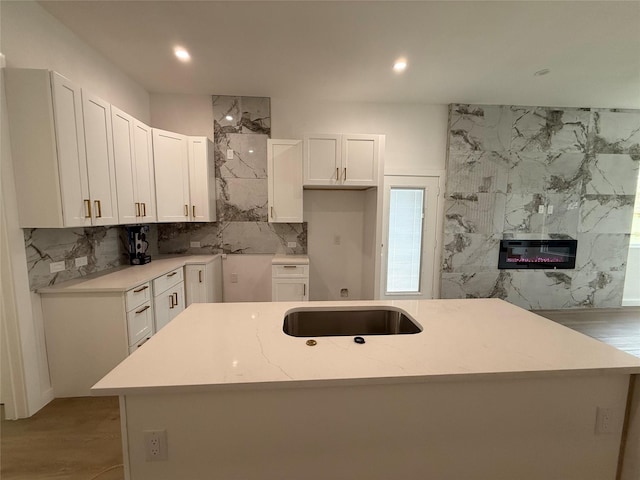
[77,438]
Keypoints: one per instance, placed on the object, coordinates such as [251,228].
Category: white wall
[416,133]
[254,278]
[186,114]
[31,38]
[631,293]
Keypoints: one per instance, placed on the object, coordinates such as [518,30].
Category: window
[406,207]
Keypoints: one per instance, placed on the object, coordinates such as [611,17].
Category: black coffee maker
[138,244]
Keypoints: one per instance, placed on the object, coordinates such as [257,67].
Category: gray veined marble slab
[479,128]
[538,172]
[605,252]
[477,172]
[262,237]
[548,129]
[465,252]
[242,199]
[612,174]
[616,132]
[227,116]
[256,115]
[474,212]
[177,237]
[249,156]
[606,213]
[470,285]
[539,290]
[597,289]
[565,216]
[521,213]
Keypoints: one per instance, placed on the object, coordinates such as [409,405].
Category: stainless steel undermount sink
[322,322]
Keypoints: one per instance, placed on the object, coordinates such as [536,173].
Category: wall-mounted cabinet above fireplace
[549,254]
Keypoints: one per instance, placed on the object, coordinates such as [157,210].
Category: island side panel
[529,429]
[631,460]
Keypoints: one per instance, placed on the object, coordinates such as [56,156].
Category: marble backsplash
[504,164]
[242,125]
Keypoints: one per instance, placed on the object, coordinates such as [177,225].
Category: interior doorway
[411,228]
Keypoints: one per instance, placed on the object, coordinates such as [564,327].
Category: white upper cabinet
[342,160]
[100,164]
[133,152]
[62,151]
[171,163]
[284,171]
[202,181]
[47,147]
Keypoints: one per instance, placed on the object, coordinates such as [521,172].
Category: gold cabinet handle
[172,274]
[193,209]
[199,276]
[345,175]
[271,213]
[186,210]
[289,266]
[175,294]
[87,203]
[144,341]
[171,305]
[98,208]
[137,209]
[304,289]
[143,309]
[337,174]
[141,289]
[144,209]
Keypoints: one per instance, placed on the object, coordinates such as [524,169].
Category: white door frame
[433,225]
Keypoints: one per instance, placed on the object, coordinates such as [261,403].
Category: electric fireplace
[541,254]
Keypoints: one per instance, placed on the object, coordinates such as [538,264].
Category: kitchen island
[485,391]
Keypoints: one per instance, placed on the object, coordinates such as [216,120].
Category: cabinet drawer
[138,295]
[137,345]
[168,280]
[140,322]
[288,271]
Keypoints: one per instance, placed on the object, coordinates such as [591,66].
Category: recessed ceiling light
[182,54]
[250,151]
[400,65]
[542,72]
[228,118]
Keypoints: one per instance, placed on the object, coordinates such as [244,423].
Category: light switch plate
[540,208]
[229,154]
[234,278]
[56,267]
[292,244]
[194,244]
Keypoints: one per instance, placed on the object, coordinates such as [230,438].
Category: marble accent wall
[243,125]
[104,247]
[504,162]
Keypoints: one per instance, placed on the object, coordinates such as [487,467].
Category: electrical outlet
[229,154]
[194,244]
[81,261]
[292,244]
[234,278]
[155,445]
[607,420]
[550,209]
[344,292]
[57,267]
[540,208]
[337,240]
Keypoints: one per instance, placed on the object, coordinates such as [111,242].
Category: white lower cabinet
[168,297]
[203,282]
[289,282]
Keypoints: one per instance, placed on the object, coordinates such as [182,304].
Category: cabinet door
[179,304]
[195,284]
[144,173]
[360,160]
[170,159]
[122,125]
[168,304]
[322,159]
[289,290]
[100,163]
[70,143]
[284,171]
[201,180]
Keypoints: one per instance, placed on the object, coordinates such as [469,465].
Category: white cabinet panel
[140,323]
[167,305]
[289,290]
[144,172]
[360,159]
[100,164]
[122,125]
[202,182]
[322,159]
[137,296]
[171,163]
[284,171]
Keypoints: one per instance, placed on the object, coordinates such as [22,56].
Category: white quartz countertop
[242,345]
[290,260]
[128,276]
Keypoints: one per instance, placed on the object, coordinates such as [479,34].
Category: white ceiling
[458,52]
